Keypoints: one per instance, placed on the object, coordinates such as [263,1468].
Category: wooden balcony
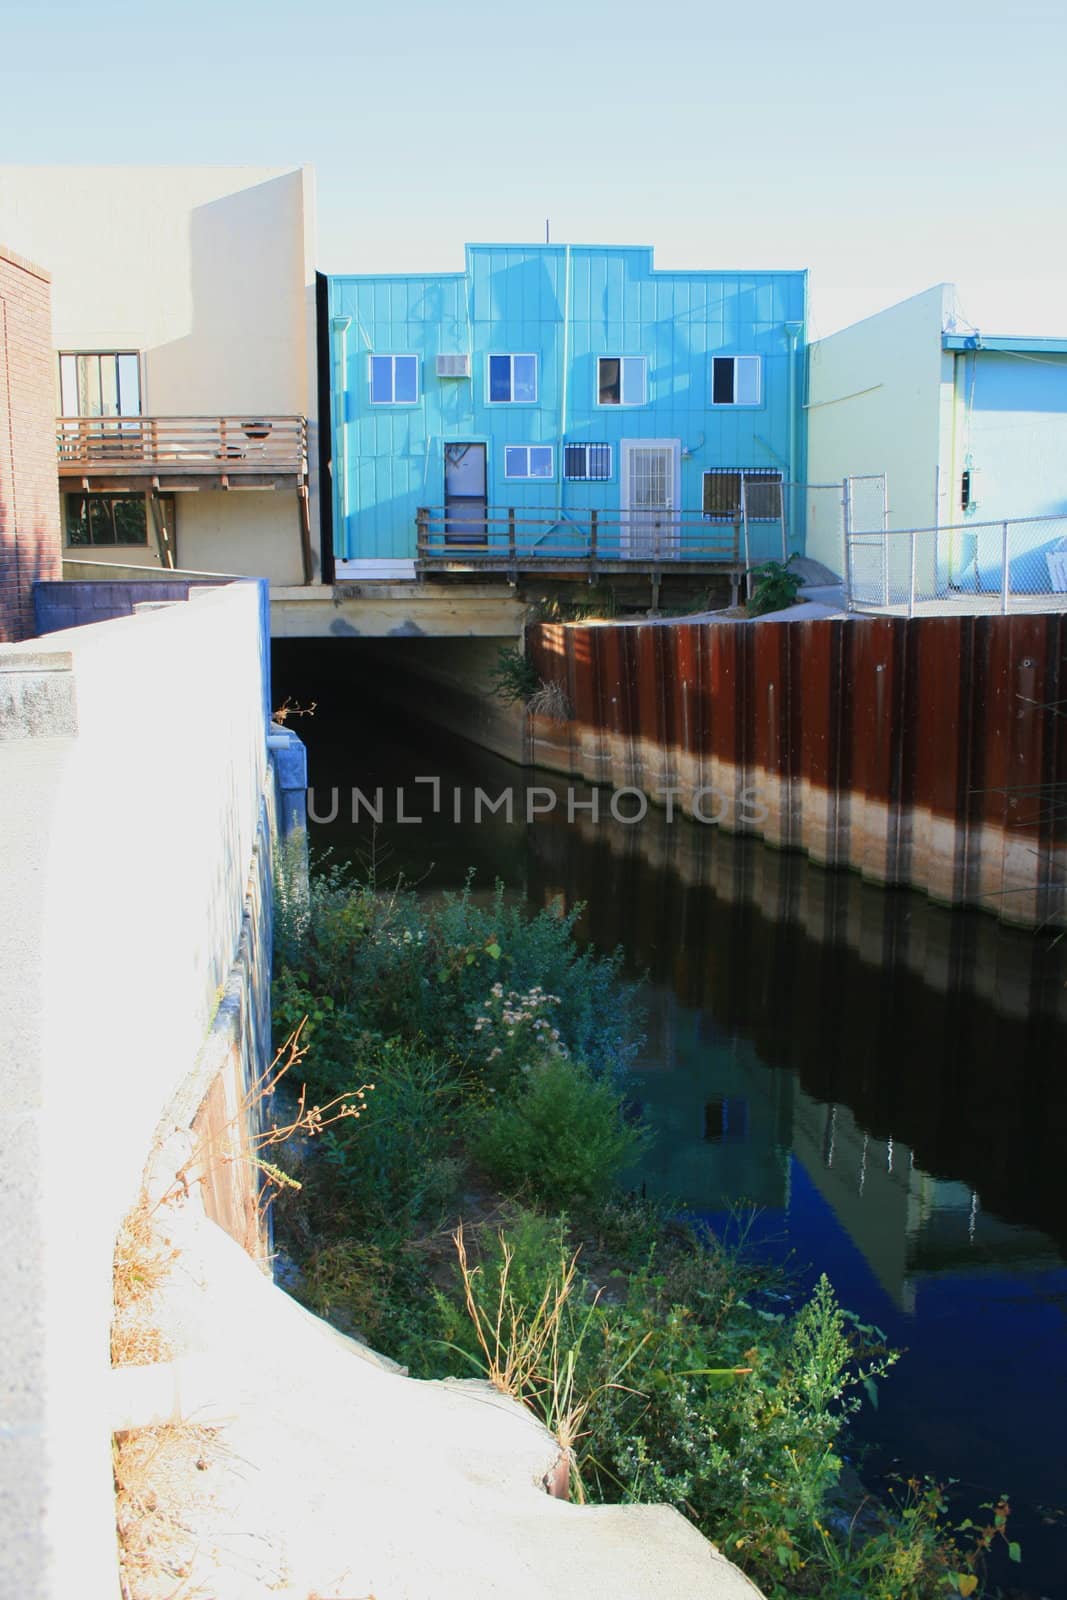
[116,454]
[575,543]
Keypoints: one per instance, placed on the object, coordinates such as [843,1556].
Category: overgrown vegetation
[514,678]
[474,1221]
[775,587]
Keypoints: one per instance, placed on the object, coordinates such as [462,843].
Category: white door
[650,489]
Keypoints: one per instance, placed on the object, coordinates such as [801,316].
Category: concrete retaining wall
[923,752]
[136,808]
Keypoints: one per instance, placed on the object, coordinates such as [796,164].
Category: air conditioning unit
[454,366]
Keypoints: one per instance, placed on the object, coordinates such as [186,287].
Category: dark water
[883,1079]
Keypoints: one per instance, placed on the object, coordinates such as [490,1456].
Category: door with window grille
[649,485]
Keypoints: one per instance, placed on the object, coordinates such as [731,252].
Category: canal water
[881,1079]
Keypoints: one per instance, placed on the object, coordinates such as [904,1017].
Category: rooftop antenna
[547,239]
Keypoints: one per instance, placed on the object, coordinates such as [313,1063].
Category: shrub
[776,587]
[558,1135]
[396,965]
[514,679]
[396,1166]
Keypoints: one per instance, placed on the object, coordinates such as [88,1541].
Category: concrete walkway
[335,1476]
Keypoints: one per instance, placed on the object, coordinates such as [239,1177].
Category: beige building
[183,303]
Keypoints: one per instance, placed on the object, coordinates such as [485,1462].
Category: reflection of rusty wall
[917,752]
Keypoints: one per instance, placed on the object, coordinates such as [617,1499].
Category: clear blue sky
[884,151]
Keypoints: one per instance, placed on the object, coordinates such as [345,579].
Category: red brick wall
[30,539]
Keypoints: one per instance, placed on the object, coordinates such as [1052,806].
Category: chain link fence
[1018,565]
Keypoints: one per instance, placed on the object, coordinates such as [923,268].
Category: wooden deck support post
[163,539]
[305,532]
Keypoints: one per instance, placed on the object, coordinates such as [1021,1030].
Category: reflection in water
[883,1078]
[940,1033]
[905,1136]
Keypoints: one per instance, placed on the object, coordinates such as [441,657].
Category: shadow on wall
[527,284]
[29,557]
[246,262]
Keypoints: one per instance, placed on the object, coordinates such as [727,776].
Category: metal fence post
[911,579]
[781,511]
[847,537]
[1004,577]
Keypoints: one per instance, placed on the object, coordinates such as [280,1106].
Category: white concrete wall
[875,405]
[209,272]
[125,850]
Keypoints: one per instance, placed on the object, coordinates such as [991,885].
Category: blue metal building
[555,404]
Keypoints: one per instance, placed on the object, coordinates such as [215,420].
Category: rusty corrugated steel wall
[925,752]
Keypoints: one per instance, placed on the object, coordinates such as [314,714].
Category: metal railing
[495,539]
[1014,565]
[244,443]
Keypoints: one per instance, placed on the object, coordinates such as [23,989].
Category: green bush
[396,1166]
[660,1360]
[399,966]
[559,1134]
[514,678]
[776,587]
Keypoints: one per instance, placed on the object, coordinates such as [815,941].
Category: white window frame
[512,356]
[405,355]
[744,405]
[622,402]
[587,477]
[528,476]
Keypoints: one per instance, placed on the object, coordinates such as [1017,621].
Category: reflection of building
[907,1224]
[722,1118]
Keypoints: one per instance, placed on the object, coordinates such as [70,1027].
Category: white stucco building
[184,325]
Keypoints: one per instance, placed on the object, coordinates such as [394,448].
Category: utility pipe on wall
[793,331]
[340,327]
[563,391]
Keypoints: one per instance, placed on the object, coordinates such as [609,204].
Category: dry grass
[142,1260]
[526,1354]
[550,700]
[163,1477]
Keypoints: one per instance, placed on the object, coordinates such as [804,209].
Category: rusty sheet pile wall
[929,752]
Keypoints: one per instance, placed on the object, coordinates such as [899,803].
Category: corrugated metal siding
[928,752]
[512,300]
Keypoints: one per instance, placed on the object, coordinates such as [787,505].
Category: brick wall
[30,539]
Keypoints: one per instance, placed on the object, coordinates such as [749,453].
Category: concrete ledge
[350,1479]
[37,696]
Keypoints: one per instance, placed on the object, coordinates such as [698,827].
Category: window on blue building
[762,494]
[513,380]
[587,461]
[394,380]
[622,380]
[735,381]
[528,461]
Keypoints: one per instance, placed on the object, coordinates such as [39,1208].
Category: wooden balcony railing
[467,538]
[243,445]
